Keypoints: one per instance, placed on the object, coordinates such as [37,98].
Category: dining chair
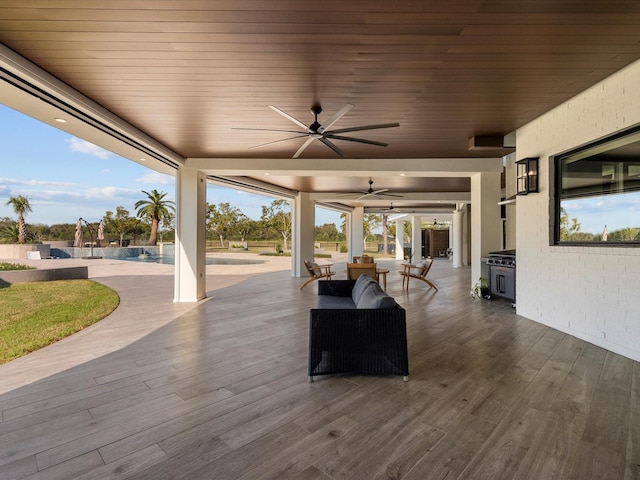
[354,270]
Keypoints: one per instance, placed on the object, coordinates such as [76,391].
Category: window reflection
[599,193]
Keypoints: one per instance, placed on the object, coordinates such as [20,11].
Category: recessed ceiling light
[267,173]
[60,120]
[403,174]
[143,159]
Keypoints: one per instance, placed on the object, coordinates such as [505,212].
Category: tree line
[153,214]
[155,220]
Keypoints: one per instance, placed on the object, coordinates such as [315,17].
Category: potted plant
[481,289]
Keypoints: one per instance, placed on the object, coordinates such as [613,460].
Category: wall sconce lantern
[527,176]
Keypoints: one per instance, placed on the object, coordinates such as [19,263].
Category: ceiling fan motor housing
[316,109]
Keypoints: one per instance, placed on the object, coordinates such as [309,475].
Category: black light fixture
[527,176]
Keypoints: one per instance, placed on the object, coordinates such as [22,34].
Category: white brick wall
[590,292]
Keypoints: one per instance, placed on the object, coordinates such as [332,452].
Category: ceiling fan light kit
[323,133]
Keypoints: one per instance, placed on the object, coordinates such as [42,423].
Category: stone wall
[21,276]
[19,251]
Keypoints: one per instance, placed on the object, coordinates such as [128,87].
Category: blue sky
[65,177]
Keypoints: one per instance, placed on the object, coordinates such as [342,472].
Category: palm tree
[21,206]
[9,233]
[155,209]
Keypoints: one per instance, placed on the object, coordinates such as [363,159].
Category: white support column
[190,267]
[302,243]
[485,219]
[457,244]
[416,239]
[466,235]
[399,239]
[356,233]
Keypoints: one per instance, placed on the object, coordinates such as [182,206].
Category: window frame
[598,146]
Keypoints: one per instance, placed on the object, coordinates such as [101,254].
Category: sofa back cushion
[362,283]
[375,297]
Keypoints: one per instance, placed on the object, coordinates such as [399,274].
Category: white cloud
[156,178]
[82,146]
[34,183]
[111,192]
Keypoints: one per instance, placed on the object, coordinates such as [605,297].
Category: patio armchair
[317,271]
[418,272]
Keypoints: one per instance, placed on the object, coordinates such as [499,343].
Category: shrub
[15,266]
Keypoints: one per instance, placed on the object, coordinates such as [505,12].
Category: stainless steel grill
[502,274]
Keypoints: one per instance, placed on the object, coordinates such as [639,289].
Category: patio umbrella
[78,239]
[605,234]
[100,235]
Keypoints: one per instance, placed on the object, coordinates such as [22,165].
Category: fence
[270,245]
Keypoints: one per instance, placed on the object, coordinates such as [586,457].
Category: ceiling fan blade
[350,194]
[359,140]
[364,127]
[386,195]
[336,116]
[382,190]
[276,141]
[289,117]
[367,194]
[303,147]
[332,146]
[271,130]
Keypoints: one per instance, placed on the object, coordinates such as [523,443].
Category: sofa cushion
[331,302]
[375,297]
[362,283]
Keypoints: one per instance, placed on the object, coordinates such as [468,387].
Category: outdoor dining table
[382,272]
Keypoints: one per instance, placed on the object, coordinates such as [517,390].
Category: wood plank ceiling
[190,72]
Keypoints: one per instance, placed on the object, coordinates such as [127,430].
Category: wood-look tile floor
[221,393]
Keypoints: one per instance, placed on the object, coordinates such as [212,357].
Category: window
[598,192]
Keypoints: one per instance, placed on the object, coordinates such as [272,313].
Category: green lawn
[34,315]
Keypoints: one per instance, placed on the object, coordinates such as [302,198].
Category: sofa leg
[310,379]
[405,378]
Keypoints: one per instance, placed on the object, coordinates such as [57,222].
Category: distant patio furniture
[418,272]
[317,271]
[363,259]
[354,270]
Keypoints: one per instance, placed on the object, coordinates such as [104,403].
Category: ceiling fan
[392,209]
[380,193]
[322,133]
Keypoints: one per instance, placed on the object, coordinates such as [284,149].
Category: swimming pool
[171,260]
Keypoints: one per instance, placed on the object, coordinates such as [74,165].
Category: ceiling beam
[420,167]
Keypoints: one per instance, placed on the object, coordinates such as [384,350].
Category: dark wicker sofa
[347,337]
